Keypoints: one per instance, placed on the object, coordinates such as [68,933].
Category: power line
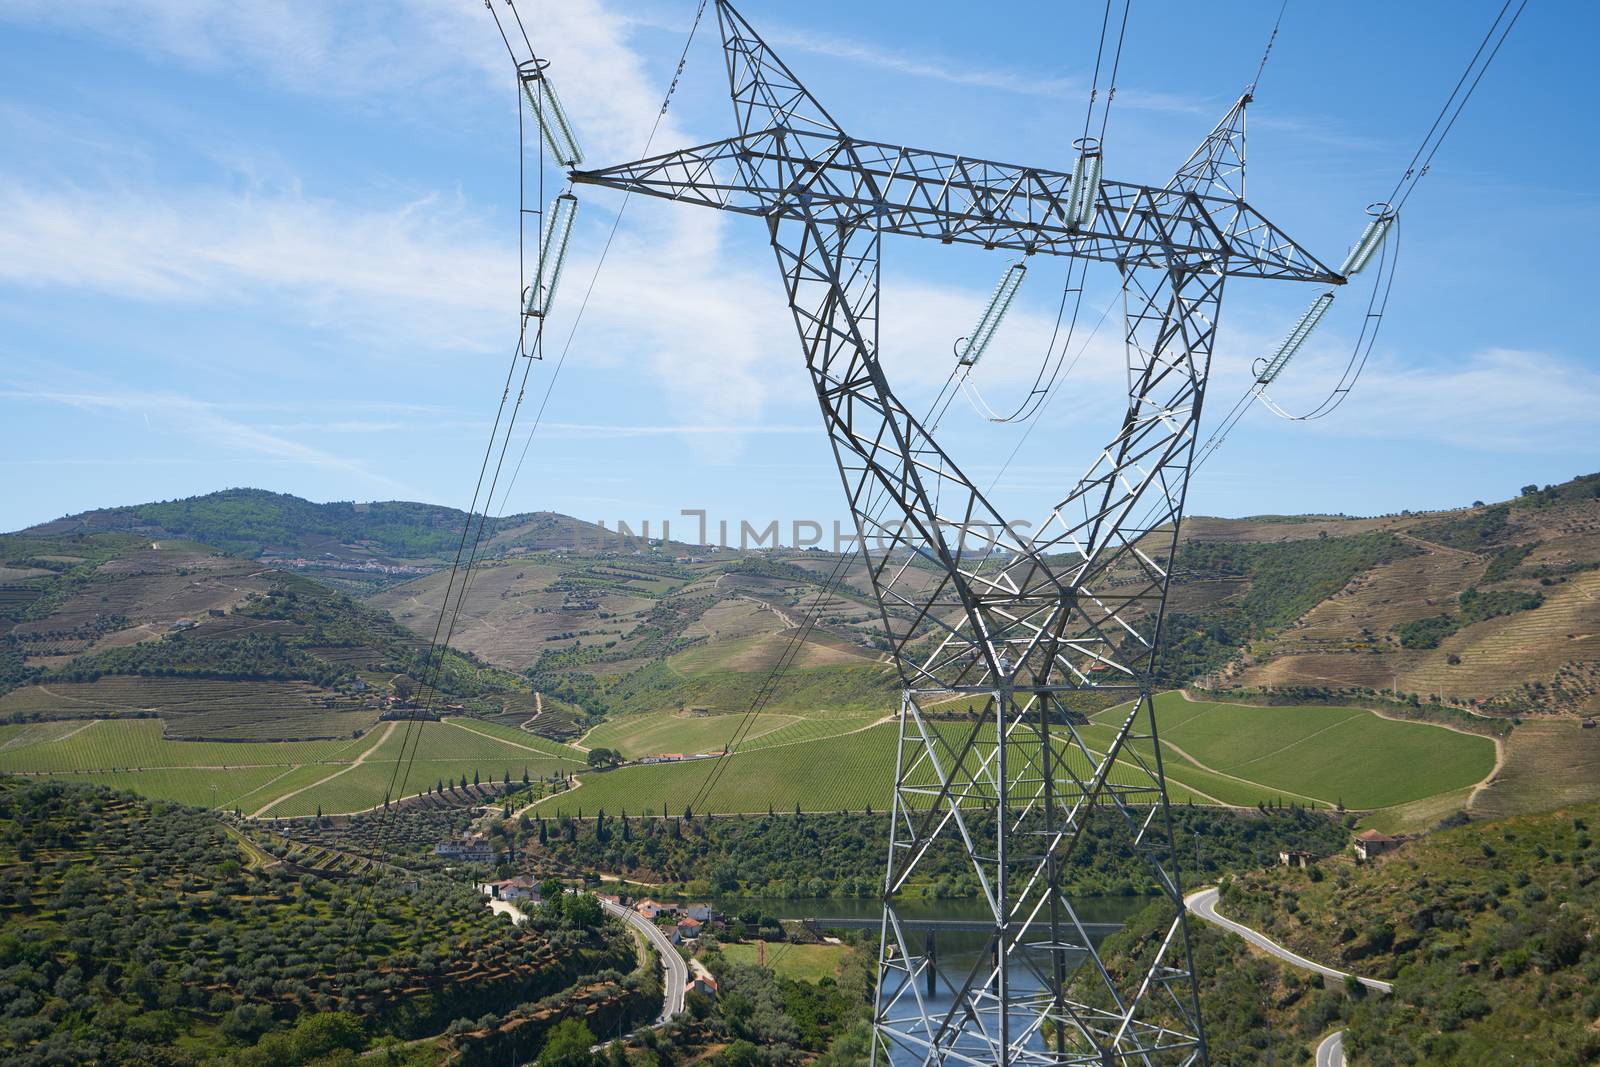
[605,251]
[1403,188]
[433,665]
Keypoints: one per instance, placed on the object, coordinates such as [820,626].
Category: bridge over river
[974,925]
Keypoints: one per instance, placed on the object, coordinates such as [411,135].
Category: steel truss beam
[1017,619]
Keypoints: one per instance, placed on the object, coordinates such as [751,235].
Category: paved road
[677,972]
[1331,1052]
[1203,903]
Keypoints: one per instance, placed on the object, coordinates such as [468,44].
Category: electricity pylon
[1023,620]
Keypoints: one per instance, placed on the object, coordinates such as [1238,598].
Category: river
[957,950]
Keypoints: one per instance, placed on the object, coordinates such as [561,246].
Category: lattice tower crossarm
[1019,622]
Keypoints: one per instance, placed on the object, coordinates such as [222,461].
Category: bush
[568,1046]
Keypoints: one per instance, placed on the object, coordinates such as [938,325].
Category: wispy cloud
[951,70]
[1494,399]
[429,267]
[206,424]
[577,429]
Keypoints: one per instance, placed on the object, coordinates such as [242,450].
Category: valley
[140,656]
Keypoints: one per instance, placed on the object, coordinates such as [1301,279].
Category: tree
[324,1032]
[568,1046]
[584,911]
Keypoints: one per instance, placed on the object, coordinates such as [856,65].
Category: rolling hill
[253,616]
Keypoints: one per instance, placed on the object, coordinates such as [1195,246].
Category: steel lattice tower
[1021,621]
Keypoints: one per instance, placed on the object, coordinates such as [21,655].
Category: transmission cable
[1378,302]
[605,251]
[1050,365]
[438,653]
[1404,187]
[535,353]
[1030,408]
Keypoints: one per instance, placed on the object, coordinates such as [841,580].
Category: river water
[957,951]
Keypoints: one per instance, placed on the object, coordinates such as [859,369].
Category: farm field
[1329,755]
[657,732]
[277,778]
[189,785]
[199,707]
[137,744]
[1230,754]
[654,733]
[803,963]
[842,773]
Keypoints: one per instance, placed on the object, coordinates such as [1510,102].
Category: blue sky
[273,244]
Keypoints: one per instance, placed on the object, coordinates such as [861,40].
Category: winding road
[1203,903]
[675,971]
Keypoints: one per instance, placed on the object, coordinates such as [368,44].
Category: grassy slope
[1314,753]
[132,754]
[1317,753]
[804,963]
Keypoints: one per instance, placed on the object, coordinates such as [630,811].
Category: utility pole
[1021,622]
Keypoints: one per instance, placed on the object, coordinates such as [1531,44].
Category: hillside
[255,523]
[110,625]
[1489,933]
[644,650]
[1495,607]
[666,648]
[154,934]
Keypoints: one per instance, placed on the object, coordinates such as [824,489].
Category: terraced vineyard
[1312,754]
[202,707]
[273,779]
[1213,753]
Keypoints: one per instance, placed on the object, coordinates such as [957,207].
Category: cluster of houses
[1367,845]
[691,919]
[467,847]
[522,888]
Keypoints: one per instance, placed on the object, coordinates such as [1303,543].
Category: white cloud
[206,424]
[432,271]
[428,270]
[1494,399]
[393,56]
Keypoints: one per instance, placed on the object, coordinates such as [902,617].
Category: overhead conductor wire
[1403,188]
[536,352]
[1031,408]
[438,650]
